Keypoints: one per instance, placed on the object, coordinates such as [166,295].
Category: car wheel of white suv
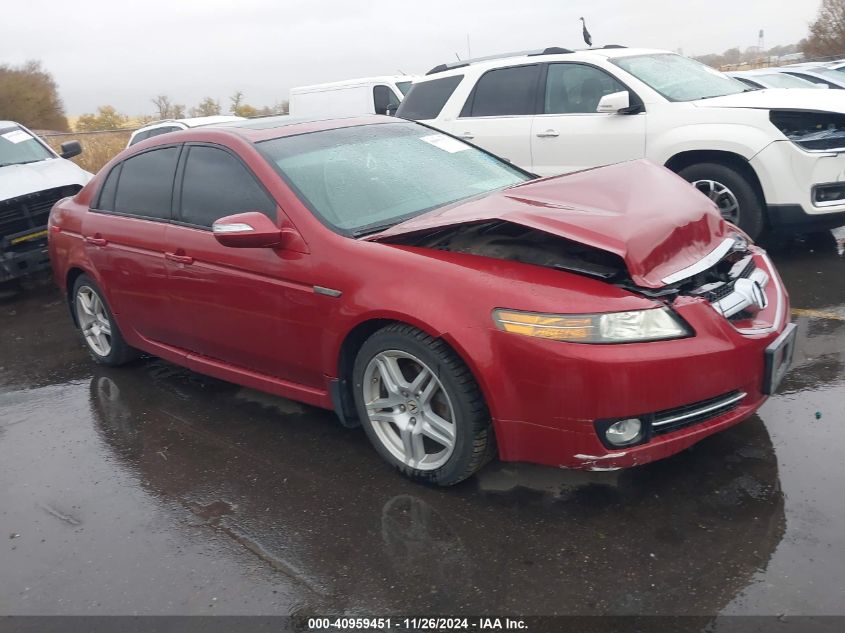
[731,192]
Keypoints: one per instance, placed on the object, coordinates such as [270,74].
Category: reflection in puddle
[314,503]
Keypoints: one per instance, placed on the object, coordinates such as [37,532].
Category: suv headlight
[655,324]
[811,129]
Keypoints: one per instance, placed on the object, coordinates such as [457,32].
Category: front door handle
[548,134]
[466,136]
[179,259]
[96,241]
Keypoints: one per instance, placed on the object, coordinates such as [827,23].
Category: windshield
[404,86]
[17,146]
[829,73]
[367,178]
[679,78]
[780,80]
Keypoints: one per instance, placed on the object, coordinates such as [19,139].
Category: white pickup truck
[769,159]
[32,179]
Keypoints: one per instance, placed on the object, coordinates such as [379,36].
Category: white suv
[174,125]
[770,159]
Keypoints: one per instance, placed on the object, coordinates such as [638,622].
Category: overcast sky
[123,52]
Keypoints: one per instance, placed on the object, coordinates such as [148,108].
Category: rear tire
[430,421]
[97,326]
[733,194]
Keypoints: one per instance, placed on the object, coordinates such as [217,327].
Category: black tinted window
[426,100]
[383,98]
[504,91]
[106,200]
[216,184]
[576,88]
[140,136]
[145,185]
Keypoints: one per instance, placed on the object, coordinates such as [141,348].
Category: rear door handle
[96,241]
[180,259]
[548,134]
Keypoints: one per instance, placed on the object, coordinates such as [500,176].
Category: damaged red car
[452,304]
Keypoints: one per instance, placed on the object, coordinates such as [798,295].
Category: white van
[369,95]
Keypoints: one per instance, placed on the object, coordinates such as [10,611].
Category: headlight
[654,324]
[811,129]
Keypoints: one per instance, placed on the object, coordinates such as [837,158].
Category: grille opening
[673,419]
[25,214]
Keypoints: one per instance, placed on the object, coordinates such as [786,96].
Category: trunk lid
[651,218]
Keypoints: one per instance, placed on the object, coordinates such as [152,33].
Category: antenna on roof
[588,39]
[458,56]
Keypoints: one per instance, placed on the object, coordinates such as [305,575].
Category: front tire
[421,407]
[731,192]
[99,330]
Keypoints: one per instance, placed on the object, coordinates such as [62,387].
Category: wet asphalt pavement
[153,490]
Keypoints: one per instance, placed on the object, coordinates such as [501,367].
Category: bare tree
[827,33]
[207,107]
[167,109]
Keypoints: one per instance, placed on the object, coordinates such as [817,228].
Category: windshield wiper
[373,228]
[24,162]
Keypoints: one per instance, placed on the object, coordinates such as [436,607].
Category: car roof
[358,81]
[551,54]
[193,121]
[813,72]
[8,123]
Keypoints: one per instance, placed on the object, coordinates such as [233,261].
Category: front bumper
[546,404]
[788,175]
[16,264]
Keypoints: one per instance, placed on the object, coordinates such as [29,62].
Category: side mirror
[71,149]
[391,109]
[248,230]
[614,102]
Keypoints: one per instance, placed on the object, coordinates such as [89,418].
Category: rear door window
[216,184]
[504,92]
[425,100]
[145,183]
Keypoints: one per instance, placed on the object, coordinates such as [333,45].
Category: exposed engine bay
[509,241]
[810,129]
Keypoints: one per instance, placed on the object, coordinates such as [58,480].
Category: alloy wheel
[409,410]
[93,321]
[724,198]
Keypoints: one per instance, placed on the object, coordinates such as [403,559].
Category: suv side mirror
[71,149]
[248,230]
[614,102]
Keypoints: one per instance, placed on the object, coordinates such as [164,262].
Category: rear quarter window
[425,100]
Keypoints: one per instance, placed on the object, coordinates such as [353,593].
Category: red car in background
[451,303]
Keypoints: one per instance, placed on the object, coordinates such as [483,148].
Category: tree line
[108,118]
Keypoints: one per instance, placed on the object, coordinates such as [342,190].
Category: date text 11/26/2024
[416,624]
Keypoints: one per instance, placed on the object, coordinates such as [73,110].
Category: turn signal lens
[612,327]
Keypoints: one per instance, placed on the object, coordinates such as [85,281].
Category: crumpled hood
[780,99]
[650,217]
[19,180]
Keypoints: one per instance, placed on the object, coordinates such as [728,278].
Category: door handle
[548,134]
[466,136]
[179,259]
[96,241]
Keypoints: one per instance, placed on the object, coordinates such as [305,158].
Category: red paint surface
[251,316]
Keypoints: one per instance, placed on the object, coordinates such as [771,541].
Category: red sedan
[451,303]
